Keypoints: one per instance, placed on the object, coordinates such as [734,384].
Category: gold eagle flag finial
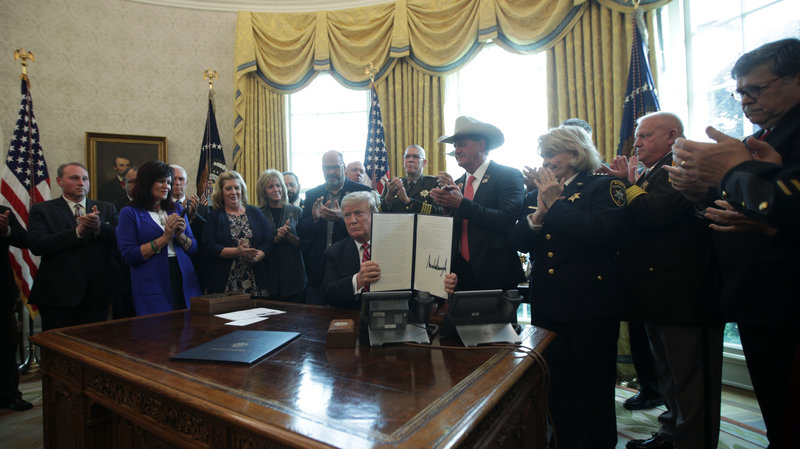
[20,53]
[211,76]
[371,71]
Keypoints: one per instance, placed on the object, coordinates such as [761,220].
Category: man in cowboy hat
[485,203]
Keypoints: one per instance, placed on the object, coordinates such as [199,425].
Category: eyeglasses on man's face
[751,91]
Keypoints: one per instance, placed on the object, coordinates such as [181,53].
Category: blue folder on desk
[244,347]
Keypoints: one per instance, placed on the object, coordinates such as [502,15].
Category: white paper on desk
[258,312]
[392,249]
[434,247]
[246,321]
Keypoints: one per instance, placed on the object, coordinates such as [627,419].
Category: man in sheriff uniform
[412,193]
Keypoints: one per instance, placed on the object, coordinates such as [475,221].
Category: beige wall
[115,66]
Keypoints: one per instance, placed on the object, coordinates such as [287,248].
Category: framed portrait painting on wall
[109,155]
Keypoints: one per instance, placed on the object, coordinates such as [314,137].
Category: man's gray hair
[361,197]
[421,150]
[783,57]
[178,167]
[668,117]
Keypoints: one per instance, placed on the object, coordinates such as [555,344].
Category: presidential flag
[376,159]
[24,181]
[640,96]
[212,159]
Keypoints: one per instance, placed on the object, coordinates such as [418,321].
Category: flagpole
[212,158]
[211,76]
[30,358]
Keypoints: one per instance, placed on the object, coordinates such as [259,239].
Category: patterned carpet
[733,434]
[740,428]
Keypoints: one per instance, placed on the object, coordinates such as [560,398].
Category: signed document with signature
[413,251]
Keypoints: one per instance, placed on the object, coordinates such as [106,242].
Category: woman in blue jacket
[156,244]
[236,240]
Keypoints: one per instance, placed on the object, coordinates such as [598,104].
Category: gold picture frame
[102,150]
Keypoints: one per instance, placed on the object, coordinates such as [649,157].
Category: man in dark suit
[485,204]
[349,268]
[123,307]
[321,222]
[667,263]
[758,261]
[75,237]
[11,234]
[115,188]
[129,177]
[411,194]
[196,215]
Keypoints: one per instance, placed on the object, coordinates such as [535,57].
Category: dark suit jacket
[19,239]
[287,274]
[217,236]
[421,201]
[492,215]
[199,258]
[71,267]
[341,263]
[667,254]
[575,274]
[121,202]
[758,272]
[317,232]
[755,184]
[111,191]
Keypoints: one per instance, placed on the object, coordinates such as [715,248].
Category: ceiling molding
[263,5]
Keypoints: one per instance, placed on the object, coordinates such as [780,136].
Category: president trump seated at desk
[349,270]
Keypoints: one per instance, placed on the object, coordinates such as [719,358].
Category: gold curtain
[264,139]
[284,51]
[412,113]
[587,71]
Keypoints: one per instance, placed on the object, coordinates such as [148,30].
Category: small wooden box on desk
[220,303]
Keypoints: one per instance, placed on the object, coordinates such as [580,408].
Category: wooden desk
[112,385]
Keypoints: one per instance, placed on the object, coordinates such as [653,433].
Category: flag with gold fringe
[24,181]
[640,96]
[212,158]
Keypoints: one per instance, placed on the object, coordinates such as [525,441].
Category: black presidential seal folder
[242,347]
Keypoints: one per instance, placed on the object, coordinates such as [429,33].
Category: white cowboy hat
[468,126]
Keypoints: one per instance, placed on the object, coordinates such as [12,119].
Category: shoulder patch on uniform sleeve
[617,190]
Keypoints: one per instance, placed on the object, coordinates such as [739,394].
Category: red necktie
[365,257]
[469,192]
[764,135]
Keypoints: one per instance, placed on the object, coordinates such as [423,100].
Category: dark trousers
[583,373]
[467,280]
[9,373]
[176,284]
[688,363]
[90,310]
[769,353]
[642,358]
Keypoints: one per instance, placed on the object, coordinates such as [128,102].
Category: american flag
[24,181]
[640,96]
[212,159]
[376,159]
